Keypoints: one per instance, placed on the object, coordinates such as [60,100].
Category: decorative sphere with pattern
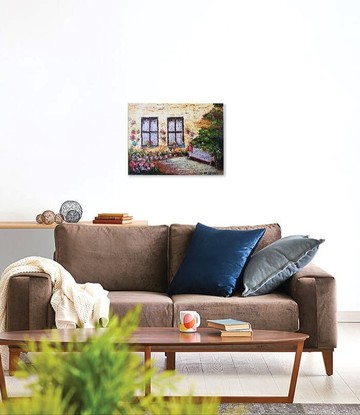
[59,218]
[39,218]
[71,211]
[48,217]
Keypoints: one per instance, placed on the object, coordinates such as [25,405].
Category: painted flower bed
[145,161]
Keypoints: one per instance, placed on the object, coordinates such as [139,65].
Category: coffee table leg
[170,360]
[295,371]
[274,399]
[147,355]
[14,356]
[2,382]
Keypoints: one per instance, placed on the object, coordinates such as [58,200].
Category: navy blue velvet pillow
[214,261]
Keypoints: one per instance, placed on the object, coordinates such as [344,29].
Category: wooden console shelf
[35,225]
[25,225]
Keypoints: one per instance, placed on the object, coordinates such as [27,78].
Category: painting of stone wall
[175,139]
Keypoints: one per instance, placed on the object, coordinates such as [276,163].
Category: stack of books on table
[113,218]
[230,327]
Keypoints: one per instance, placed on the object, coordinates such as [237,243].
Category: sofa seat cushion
[275,311]
[156,308]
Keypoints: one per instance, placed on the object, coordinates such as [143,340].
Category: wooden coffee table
[171,341]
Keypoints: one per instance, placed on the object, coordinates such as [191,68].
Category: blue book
[229,324]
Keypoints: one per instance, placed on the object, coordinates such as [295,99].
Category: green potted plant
[101,376]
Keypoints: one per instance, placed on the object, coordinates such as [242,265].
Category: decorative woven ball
[48,217]
[71,211]
[73,216]
[40,218]
[59,218]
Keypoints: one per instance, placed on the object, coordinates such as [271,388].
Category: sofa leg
[170,360]
[328,361]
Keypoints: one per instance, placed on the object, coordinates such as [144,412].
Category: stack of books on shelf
[230,327]
[113,218]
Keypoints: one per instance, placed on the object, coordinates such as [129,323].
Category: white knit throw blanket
[75,305]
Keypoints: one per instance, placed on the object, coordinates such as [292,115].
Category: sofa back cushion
[119,258]
[180,236]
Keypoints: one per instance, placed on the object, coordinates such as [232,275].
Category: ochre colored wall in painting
[192,114]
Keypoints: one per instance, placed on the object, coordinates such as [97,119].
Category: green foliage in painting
[211,134]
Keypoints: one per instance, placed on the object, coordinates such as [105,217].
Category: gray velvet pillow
[277,262]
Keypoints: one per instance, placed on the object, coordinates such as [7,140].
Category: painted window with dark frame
[175,131]
[149,131]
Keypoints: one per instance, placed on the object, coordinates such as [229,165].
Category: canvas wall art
[176,139]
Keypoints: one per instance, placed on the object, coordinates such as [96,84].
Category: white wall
[287,72]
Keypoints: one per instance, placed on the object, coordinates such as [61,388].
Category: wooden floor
[265,373]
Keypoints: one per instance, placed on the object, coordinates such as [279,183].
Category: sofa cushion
[156,308]
[180,237]
[275,311]
[120,258]
[270,267]
[214,260]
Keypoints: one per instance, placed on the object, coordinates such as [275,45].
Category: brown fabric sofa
[136,265]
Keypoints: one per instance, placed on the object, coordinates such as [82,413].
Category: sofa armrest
[315,292]
[28,302]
